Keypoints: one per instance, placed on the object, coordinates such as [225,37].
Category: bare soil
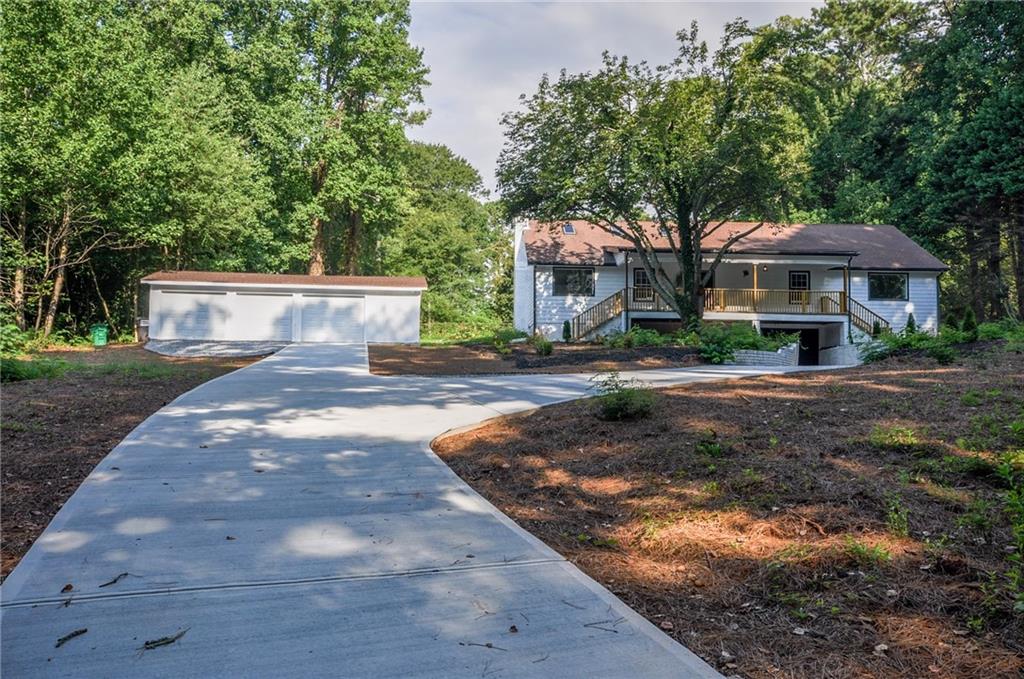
[835,524]
[483,359]
[54,431]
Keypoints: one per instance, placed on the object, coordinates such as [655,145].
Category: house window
[799,281]
[573,281]
[642,289]
[568,229]
[887,286]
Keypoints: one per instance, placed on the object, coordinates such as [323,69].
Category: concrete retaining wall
[789,355]
[844,354]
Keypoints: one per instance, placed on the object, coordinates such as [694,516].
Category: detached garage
[203,305]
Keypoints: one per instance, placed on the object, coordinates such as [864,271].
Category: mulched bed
[836,524]
[482,359]
[56,430]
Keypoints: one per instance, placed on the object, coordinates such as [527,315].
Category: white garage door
[260,316]
[188,314]
[333,318]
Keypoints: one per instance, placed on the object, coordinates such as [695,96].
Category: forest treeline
[264,135]
[272,135]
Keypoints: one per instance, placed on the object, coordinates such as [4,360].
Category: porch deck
[748,300]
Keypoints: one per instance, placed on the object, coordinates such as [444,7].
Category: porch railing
[775,301]
[591,319]
[744,300]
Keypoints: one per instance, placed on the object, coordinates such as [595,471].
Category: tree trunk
[975,284]
[103,302]
[1017,251]
[317,252]
[18,287]
[58,287]
[353,240]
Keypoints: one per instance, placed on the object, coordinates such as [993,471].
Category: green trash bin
[99,335]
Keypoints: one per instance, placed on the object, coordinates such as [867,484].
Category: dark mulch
[55,431]
[483,359]
[834,524]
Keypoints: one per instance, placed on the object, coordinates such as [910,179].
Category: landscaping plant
[621,399]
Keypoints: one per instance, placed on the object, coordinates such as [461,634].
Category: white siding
[922,300]
[393,318]
[522,292]
[553,311]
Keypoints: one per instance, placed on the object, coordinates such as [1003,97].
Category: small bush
[566,331]
[911,327]
[620,399]
[13,340]
[16,370]
[969,325]
[542,345]
[943,354]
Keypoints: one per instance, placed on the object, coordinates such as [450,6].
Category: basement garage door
[333,318]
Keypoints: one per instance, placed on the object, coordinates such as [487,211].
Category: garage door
[189,314]
[333,318]
[260,316]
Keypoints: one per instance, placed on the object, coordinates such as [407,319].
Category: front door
[809,346]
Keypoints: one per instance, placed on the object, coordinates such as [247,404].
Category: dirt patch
[55,431]
[482,359]
[836,524]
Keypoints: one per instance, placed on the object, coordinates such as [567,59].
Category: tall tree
[366,78]
[701,142]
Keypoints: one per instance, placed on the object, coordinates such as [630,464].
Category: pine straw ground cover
[833,524]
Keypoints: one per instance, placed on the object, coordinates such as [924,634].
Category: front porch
[747,301]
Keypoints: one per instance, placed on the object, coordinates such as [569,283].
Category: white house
[832,283]
[205,305]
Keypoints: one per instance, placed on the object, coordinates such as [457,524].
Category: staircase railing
[589,320]
[866,319]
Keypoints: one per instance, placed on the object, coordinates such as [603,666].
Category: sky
[483,55]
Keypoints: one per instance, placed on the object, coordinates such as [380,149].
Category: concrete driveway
[291,520]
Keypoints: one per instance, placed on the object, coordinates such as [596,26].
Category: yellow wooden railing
[866,319]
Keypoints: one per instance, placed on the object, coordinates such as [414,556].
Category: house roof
[872,246]
[264,279]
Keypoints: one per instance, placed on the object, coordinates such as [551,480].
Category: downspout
[533,326]
[938,301]
[846,294]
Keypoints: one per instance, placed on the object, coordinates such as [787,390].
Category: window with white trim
[642,285]
[799,283]
[573,281]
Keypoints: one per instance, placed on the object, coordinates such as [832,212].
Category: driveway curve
[289,519]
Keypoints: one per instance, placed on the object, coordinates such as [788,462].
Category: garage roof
[293,280]
[872,246]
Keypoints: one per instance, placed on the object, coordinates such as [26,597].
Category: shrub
[13,340]
[17,370]
[566,331]
[911,327]
[876,329]
[969,325]
[942,353]
[620,399]
[542,345]
[636,337]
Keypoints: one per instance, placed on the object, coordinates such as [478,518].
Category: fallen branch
[68,637]
[163,641]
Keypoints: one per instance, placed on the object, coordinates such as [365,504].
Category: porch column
[753,295]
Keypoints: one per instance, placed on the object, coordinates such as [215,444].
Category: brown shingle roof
[873,246]
[411,282]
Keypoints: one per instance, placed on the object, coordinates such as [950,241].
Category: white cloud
[483,55]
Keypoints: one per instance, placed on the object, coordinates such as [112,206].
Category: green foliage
[969,325]
[1011,471]
[13,340]
[897,517]
[629,140]
[566,332]
[636,337]
[865,554]
[902,439]
[17,370]
[620,399]
[911,327]
[542,345]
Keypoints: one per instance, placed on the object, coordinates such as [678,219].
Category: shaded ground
[484,359]
[837,524]
[54,431]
